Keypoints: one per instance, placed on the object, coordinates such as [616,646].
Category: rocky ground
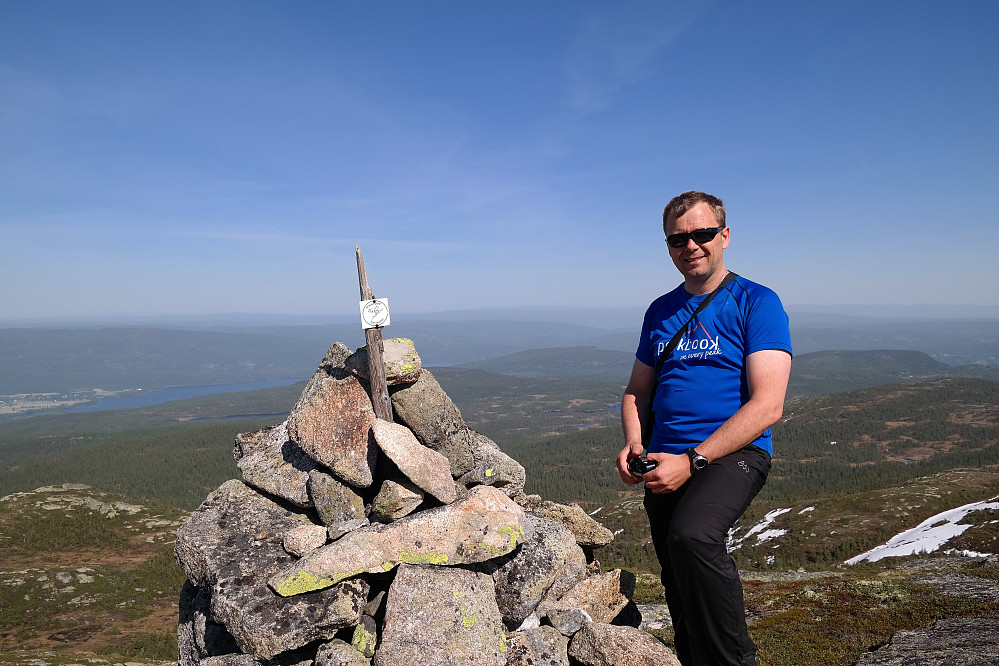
[84,572]
[89,578]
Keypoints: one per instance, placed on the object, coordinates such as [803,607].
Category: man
[714,400]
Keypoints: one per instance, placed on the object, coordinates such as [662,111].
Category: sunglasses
[700,237]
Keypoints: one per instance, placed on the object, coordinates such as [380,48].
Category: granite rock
[484,525]
[441,616]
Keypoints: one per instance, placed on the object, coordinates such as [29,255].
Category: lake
[148,398]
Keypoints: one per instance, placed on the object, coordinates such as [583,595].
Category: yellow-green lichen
[515,532]
[364,641]
[302,582]
[422,558]
[468,618]
[490,472]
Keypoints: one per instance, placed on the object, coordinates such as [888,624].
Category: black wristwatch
[697,461]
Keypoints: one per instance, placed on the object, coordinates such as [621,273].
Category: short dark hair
[681,203]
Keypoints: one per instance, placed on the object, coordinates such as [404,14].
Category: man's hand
[627,453]
[672,472]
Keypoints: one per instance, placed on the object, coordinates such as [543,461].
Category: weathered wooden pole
[380,399]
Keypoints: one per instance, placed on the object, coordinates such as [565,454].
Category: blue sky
[206,157]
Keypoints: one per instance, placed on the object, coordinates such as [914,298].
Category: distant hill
[58,360]
[567,362]
[837,371]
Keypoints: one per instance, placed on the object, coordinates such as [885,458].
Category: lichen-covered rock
[396,499]
[402,363]
[494,468]
[601,598]
[441,616]
[425,467]
[331,422]
[365,637]
[335,502]
[965,641]
[339,653]
[598,644]
[549,563]
[304,539]
[198,635]
[484,525]
[270,461]
[229,547]
[541,646]
[436,421]
[589,533]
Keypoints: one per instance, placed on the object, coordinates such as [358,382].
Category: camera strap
[671,345]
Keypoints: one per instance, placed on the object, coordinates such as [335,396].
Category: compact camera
[639,466]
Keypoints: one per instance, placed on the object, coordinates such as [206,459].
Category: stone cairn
[353,540]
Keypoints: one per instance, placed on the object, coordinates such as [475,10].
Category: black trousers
[703,591]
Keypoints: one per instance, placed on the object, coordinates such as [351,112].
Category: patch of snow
[806,510]
[758,529]
[597,510]
[927,537]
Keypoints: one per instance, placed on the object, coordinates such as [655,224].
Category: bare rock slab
[441,616]
[483,525]
[598,644]
[425,467]
[965,641]
[331,422]
[230,546]
[270,461]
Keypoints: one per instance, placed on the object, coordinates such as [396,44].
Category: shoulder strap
[674,341]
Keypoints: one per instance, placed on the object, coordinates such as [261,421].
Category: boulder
[441,616]
[230,546]
[335,502]
[484,525]
[365,637]
[598,644]
[542,646]
[339,653]
[589,533]
[198,635]
[492,467]
[331,422]
[304,539]
[436,421]
[402,363]
[598,599]
[425,467]
[395,500]
[549,563]
[270,461]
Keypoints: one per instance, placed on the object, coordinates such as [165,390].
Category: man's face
[699,262]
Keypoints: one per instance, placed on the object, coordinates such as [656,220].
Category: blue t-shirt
[703,383]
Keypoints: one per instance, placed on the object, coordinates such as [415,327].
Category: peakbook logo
[698,343]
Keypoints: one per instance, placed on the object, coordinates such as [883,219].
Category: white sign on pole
[375,313]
